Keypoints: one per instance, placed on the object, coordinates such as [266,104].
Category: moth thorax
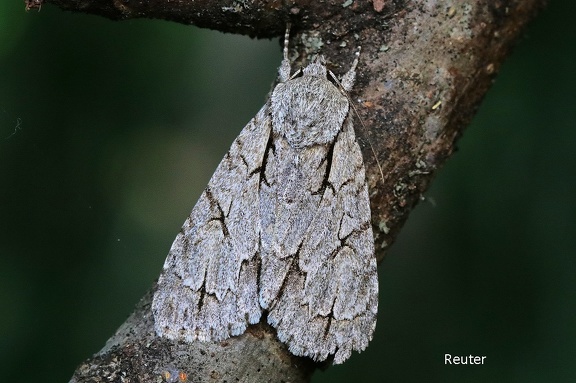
[308,111]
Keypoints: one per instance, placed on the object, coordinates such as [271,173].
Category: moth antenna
[346,85]
[369,143]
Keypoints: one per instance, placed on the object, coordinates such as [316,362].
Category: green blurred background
[110,130]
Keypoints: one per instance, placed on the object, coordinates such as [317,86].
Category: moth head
[316,68]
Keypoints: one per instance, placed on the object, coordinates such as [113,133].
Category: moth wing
[208,286]
[329,306]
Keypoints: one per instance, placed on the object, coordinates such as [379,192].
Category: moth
[282,230]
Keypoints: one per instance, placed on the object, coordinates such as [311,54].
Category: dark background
[110,130]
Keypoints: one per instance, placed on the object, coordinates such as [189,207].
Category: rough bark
[424,68]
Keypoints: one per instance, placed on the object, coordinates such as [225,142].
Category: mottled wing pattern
[208,287]
[283,227]
[318,278]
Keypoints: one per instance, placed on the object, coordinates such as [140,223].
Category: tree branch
[423,71]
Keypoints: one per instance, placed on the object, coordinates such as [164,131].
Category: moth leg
[350,77]
[284,69]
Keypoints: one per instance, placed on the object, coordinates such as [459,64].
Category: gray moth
[282,230]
